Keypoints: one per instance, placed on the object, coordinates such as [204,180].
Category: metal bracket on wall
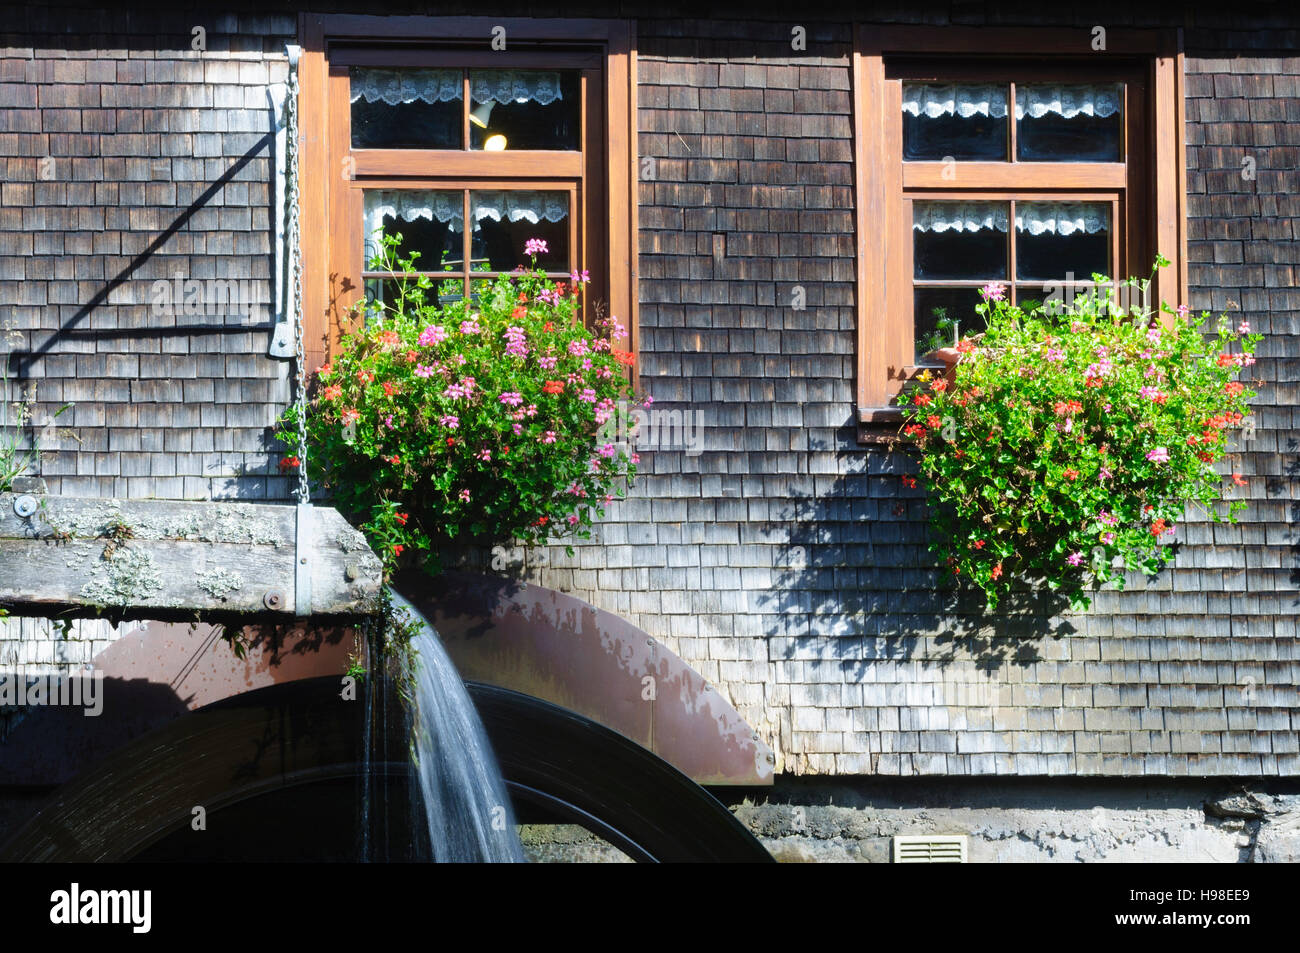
[282,337]
[302,561]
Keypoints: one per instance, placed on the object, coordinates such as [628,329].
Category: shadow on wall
[854,579]
[21,365]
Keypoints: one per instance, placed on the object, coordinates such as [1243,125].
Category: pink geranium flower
[1159,455]
[433,334]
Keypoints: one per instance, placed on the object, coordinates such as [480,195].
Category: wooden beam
[158,559]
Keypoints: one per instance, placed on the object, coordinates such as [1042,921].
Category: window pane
[524,109]
[407,108]
[962,122]
[942,315]
[387,291]
[1070,123]
[959,240]
[429,222]
[1052,297]
[1057,239]
[505,221]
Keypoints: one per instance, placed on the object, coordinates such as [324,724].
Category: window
[1020,157]
[418,126]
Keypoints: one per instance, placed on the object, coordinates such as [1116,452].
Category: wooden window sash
[332,205]
[1148,189]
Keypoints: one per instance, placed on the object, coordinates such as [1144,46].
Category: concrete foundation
[1029,821]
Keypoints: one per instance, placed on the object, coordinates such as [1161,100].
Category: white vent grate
[930,849]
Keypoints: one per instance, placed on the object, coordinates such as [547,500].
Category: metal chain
[295,276]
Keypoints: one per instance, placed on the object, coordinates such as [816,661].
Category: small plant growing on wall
[491,417]
[1069,439]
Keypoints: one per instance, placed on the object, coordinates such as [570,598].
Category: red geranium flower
[333,392]
[402,518]
[553,387]
[909,482]
[625,357]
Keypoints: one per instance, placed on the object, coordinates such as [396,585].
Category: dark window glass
[525,109]
[958,122]
[942,315]
[1070,123]
[1059,239]
[407,108]
[505,221]
[428,221]
[387,291]
[959,240]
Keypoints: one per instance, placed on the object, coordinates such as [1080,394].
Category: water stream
[465,801]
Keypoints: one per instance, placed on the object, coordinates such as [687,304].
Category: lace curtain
[1059,218]
[1062,218]
[513,85]
[393,86]
[965,100]
[1099,100]
[1036,101]
[962,216]
[447,207]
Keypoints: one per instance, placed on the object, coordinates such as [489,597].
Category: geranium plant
[1068,440]
[492,417]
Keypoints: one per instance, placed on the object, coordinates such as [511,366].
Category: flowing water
[465,801]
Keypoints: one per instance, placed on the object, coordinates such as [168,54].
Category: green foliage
[1070,439]
[492,417]
[15,458]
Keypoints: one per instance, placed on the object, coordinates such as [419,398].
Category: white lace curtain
[1062,218]
[410,204]
[986,99]
[1059,218]
[393,86]
[964,100]
[1100,100]
[514,85]
[959,216]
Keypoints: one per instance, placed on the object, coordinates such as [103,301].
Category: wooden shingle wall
[784,561]
[788,564]
[130,159]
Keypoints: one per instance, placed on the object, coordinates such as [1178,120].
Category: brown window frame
[600,177]
[1147,190]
